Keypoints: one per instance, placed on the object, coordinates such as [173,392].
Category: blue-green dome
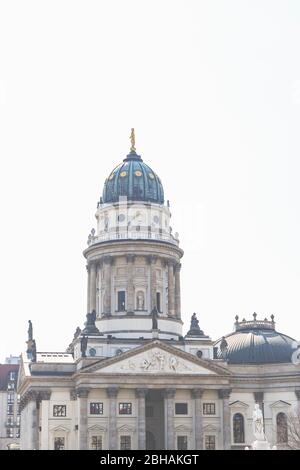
[135,180]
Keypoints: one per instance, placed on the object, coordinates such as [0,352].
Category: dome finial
[132,140]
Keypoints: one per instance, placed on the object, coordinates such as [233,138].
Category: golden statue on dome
[132,140]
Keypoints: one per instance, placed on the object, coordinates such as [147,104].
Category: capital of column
[44,395]
[258,396]
[82,392]
[224,392]
[151,259]
[112,392]
[73,394]
[130,258]
[107,260]
[141,392]
[169,392]
[177,267]
[297,393]
[171,263]
[197,392]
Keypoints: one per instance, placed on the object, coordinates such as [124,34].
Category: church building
[131,378]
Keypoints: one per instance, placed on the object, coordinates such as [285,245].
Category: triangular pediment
[280,404]
[157,358]
[97,428]
[238,404]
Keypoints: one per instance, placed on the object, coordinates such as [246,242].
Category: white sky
[213,90]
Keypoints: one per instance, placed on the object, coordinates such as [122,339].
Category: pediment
[60,429]
[280,404]
[183,428]
[157,358]
[126,428]
[97,428]
[210,428]
[238,404]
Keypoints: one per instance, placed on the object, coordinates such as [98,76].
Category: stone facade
[130,379]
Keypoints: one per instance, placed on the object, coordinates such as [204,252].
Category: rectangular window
[10,420]
[209,408]
[210,442]
[96,408]
[18,420]
[182,442]
[9,432]
[19,410]
[181,408]
[10,397]
[125,443]
[96,443]
[13,375]
[59,443]
[121,301]
[10,386]
[125,408]
[158,305]
[59,411]
[10,409]
[18,432]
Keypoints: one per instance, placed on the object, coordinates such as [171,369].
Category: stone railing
[136,235]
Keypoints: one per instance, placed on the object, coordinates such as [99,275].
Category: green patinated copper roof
[135,180]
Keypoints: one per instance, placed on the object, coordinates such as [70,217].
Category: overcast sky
[213,91]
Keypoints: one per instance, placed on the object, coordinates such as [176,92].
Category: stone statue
[30,333]
[83,345]
[195,328]
[224,347]
[140,301]
[77,332]
[90,324]
[258,423]
[91,318]
[194,321]
[31,350]
[154,314]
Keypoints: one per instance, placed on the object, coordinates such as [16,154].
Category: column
[130,285]
[88,289]
[198,418]
[82,394]
[112,393]
[43,398]
[224,396]
[93,277]
[171,289]
[177,290]
[107,285]
[30,436]
[140,393]
[152,262]
[169,418]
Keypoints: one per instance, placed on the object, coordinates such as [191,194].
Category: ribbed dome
[255,342]
[135,180]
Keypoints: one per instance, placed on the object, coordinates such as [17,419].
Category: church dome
[255,342]
[135,180]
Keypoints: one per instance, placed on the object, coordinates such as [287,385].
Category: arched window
[238,428]
[282,428]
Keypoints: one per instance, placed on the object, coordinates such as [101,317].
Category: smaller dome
[255,342]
